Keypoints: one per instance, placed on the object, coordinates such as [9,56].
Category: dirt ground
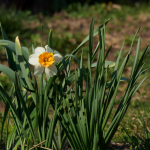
[116,31]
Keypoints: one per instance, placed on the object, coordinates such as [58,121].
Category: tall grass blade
[50,39]
[18,88]
[9,54]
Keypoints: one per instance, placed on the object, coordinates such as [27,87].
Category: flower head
[43,60]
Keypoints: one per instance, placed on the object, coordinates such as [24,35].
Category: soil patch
[2,107]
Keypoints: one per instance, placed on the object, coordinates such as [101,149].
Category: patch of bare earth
[113,146]
[119,146]
[2,107]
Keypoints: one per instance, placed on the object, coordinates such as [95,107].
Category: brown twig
[44,148]
[38,145]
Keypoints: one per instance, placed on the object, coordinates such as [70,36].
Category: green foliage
[140,142]
[131,123]
[12,20]
[81,113]
[5,82]
[85,121]
[66,42]
[120,12]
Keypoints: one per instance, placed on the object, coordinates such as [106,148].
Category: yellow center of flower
[46,59]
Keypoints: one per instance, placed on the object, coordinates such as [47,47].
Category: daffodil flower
[43,60]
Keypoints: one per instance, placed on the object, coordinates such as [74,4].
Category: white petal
[33,59]
[48,49]
[57,58]
[51,70]
[39,50]
[38,69]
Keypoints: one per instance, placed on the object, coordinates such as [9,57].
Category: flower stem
[40,101]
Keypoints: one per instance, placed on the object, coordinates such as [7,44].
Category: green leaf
[50,39]
[9,54]
[95,32]
[20,96]
[91,40]
[11,137]
[87,38]
[136,58]
[133,40]
[25,48]
[108,64]
[6,137]
[51,127]
[29,90]
[113,92]
[3,44]
[9,72]
[6,99]
[4,119]
[23,67]
[11,47]
[124,79]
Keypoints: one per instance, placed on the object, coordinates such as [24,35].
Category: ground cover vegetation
[67,36]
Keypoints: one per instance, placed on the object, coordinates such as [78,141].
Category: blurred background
[51,6]
[70,22]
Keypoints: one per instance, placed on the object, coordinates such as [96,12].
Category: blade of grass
[9,54]
[50,39]
[18,87]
